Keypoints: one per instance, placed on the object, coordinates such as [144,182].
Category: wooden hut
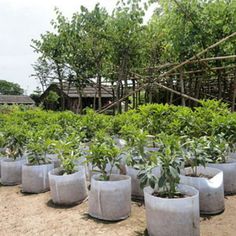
[16,99]
[70,97]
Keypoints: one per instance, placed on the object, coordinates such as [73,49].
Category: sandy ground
[34,214]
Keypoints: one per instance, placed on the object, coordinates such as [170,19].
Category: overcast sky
[23,20]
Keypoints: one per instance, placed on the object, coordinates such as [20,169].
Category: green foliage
[33,127]
[52,97]
[1,140]
[15,139]
[103,151]
[135,149]
[94,44]
[38,146]
[183,28]
[195,152]
[92,122]
[131,117]
[217,149]
[203,150]
[168,157]
[68,152]
[9,88]
[225,126]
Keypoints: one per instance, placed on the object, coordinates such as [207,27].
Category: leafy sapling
[135,150]
[217,149]
[203,150]
[168,159]
[68,152]
[194,153]
[15,140]
[104,152]
[37,147]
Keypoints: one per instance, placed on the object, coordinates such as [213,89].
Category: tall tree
[43,72]
[51,48]
[126,40]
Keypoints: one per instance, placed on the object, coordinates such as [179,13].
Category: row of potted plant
[160,169]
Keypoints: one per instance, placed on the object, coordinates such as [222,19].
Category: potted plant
[49,133]
[171,208]
[110,194]
[35,172]
[11,166]
[2,150]
[225,126]
[134,156]
[67,183]
[111,168]
[218,154]
[76,143]
[208,181]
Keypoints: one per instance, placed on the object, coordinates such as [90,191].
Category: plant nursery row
[180,161]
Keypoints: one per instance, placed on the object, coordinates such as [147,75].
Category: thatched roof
[16,99]
[88,91]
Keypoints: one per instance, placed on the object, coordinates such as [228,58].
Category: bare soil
[35,214]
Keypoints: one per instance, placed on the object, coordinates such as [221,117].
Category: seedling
[103,151]
[168,159]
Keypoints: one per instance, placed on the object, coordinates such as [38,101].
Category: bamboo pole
[197,71]
[191,62]
[169,72]
[234,95]
[182,87]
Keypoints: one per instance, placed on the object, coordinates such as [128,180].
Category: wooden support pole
[169,72]
[182,86]
[234,95]
[191,62]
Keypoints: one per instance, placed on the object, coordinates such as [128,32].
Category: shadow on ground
[87,217]
[56,206]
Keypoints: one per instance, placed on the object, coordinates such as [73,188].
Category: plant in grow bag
[103,151]
[68,152]
[217,149]
[136,141]
[15,140]
[195,153]
[37,148]
[169,161]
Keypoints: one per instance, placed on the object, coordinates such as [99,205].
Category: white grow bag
[110,200]
[211,191]
[35,178]
[68,189]
[11,171]
[173,217]
[229,172]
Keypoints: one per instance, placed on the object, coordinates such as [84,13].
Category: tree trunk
[62,99]
[234,94]
[134,97]
[99,92]
[182,87]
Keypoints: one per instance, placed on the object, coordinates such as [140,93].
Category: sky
[23,20]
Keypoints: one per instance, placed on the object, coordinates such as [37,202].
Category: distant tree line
[9,88]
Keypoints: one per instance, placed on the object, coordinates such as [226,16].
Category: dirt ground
[34,214]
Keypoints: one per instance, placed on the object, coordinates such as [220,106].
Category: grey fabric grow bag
[35,178]
[110,200]
[173,217]
[68,189]
[11,171]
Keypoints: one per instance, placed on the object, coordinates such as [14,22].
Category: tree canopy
[9,88]
[93,45]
